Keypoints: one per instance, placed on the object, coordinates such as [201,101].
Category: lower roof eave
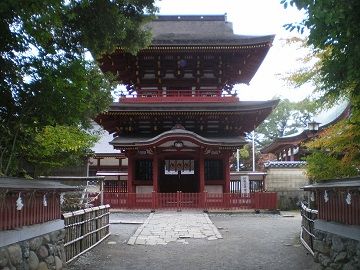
[178,134]
[141,147]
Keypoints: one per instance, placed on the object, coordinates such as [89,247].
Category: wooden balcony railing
[159,96]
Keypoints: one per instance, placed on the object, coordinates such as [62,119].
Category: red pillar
[118,178]
[155,174]
[227,172]
[201,171]
[130,179]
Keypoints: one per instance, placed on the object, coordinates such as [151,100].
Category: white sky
[254,17]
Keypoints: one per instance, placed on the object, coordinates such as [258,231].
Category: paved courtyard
[162,228]
[194,240]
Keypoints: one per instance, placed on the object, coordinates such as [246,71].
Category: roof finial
[178,126]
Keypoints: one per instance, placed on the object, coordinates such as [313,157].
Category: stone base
[288,200]
[39,253]
[336,252]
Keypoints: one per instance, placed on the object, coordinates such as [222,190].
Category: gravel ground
[250,241]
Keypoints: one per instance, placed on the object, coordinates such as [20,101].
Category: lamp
[178,144]
[313,126]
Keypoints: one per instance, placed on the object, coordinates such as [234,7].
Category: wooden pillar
[286,154]
[120,163]
[118,178]
[227,172]
[98,164]
[131,168]
[155,173]
[201,171]
[291,153]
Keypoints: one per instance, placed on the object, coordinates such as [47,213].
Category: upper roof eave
[213,41]
[192,106]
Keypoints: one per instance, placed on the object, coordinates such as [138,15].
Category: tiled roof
[13,183]
[352,182]
[285,164]
[199,30]
[325,118]
[102,146]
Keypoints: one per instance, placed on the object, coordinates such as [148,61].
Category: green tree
[336,153]
[287,118]
[47,76]
[245,160]
[334,36]
[59,146]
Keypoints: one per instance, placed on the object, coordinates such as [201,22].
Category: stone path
[162,228]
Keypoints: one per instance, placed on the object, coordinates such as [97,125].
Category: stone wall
[43,252]
[287,182]
[337,246]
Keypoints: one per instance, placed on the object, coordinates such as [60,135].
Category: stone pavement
[250,242]
[164,227]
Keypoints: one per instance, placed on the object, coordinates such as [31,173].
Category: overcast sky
[254,17]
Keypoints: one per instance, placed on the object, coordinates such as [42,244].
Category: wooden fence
[307,227]
[85,229]
[180,200]
[19,209]
[342,205]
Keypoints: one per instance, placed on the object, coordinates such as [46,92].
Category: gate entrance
[179,179]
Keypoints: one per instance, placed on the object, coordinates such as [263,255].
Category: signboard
[174,166]
[245,185]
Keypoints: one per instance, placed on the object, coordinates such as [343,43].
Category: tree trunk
[11,153]
[2,159]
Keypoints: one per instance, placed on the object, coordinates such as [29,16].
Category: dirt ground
[250,241]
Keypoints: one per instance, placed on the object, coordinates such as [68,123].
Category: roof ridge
[199,17]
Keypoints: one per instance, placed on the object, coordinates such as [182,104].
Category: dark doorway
[188,183]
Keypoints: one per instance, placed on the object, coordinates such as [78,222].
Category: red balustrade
[167,200]
[158,96]
[180,200]
[115,186]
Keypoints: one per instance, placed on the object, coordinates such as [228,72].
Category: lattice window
[213,169]
[143,170]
